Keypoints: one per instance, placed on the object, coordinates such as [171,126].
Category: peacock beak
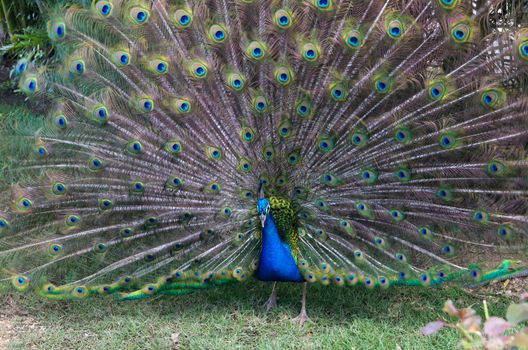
[262,219]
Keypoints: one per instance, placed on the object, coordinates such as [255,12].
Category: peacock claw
[302,318]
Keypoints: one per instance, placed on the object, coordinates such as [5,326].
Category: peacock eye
[437,90]
[322,5]
[21,66]
[29,85]
[395,28]
[449,5]
[77,67]
[158,66]
[139,15]
[104,8]
[183,18]
[236,81]
[448,141]
[283,75]
[282,19]
[40,152]
[353,39]
[198,69]
[338,91]
[56,30]
[383,84]
[217,34]
[492,98]
[461,32]
[59,188]
[310,52]
[255,51]
[522,49]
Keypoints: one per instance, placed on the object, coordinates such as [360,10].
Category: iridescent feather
[389,137]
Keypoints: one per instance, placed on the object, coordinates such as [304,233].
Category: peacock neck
[276,260]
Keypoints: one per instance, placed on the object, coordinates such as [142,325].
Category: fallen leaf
[521,339]
[495,326]
[175,338]
[450,308]
[466,313]
[497,343]
[471,324]
[432,327]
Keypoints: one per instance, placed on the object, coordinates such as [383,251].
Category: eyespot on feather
[260,103]
[103,8]
[338,91]
[283,75]
[462,31]
[56,29]
[323,5]
[20,282]
[256,51]
[197,69]
[283,18]
[217,34]
[521,45]
[183,18]
[138,15]
[369,175]
[353,39]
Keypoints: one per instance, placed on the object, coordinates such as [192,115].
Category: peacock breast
[285,220]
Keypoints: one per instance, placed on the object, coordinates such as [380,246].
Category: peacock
[191,144]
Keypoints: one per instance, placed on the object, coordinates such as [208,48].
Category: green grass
[231,318]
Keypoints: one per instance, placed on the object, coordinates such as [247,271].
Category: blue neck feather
[276,261]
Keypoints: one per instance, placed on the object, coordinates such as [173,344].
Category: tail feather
[398,130]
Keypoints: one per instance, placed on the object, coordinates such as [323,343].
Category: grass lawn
[232,318]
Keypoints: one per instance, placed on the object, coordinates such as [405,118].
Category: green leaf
[517,313]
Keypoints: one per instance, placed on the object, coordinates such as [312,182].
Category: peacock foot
[271,303]
[302,318]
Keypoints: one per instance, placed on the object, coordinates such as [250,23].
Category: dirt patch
[15,321]
[8,96]
[510,288]
[6,332]
[7,324]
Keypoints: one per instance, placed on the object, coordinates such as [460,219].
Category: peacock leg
[272,301]
[303,317]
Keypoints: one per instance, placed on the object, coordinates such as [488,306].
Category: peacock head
[263,205]
[263,208]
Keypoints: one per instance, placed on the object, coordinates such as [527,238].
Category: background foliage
[23,27]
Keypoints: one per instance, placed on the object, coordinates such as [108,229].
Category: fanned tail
[398,129]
